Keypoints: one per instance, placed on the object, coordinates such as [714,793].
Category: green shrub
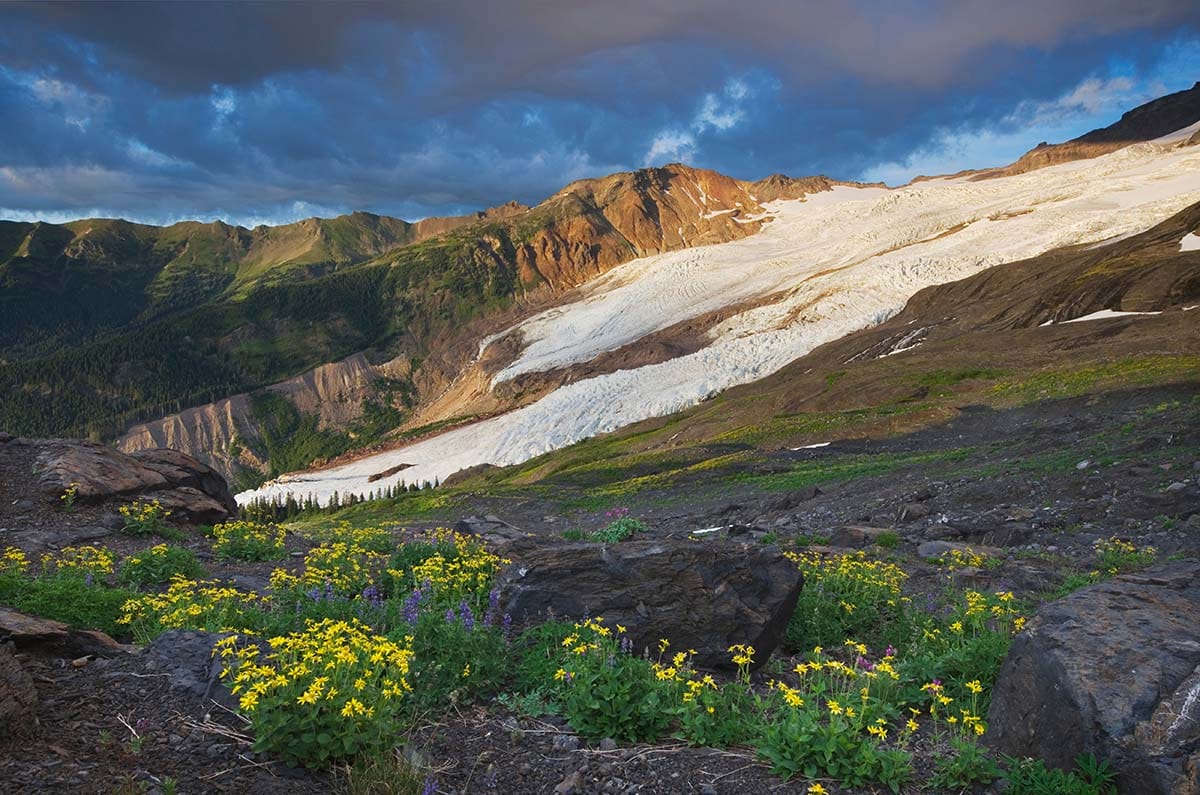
[460,654]
[159,564]
[620,528]
[888,539]
[607,692]
[1032,777]
[805,742]
[718,716]
[969,764]
[75,599]
[848,596]
[539,655]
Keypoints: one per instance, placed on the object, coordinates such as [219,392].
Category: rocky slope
[228,434]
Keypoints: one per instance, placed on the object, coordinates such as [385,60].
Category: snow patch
[899,350]
[1103,314]
[1190,242]
[811,446]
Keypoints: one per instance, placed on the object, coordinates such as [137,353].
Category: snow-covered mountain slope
[824,267]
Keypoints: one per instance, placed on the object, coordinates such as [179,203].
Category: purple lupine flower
[412,606]
[468,617]
[450,616]
[493,610]
[89,580]
[314,594]
[627,644]
[506,626]
[430,787]
[372,596]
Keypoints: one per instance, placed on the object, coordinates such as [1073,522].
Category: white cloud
[223,101]
[719,110]
[671,146]
[76,105]
[142,153]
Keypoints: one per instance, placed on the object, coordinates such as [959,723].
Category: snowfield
[825,266]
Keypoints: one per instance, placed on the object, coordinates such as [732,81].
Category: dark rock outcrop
[1112,670]
[705,596]
[100,474]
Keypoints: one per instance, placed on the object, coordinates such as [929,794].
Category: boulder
[705,596]
[187,658]
[191,490]
[856,536]
[911,511]
[18,697]
[1112,670]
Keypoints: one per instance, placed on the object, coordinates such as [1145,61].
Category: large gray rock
[705,596]
[188,658]
[1112,670]
[190,489]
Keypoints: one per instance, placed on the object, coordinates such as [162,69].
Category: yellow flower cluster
[347,568]
[586,635]
[96,561]
[957,559]
[191,604]
[330,670]
[461,565]
[1117,555]
[144,514]
[248,540]
[854,567]
[156,552]
[967,721]
[374,539]
[13,561]
[742,654]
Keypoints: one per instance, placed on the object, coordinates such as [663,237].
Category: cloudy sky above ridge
[270,112]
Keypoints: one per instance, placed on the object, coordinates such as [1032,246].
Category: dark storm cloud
[252,110]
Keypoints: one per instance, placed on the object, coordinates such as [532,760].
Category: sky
[271,112]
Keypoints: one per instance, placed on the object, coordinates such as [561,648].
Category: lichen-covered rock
[1111,670]
[705,596]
